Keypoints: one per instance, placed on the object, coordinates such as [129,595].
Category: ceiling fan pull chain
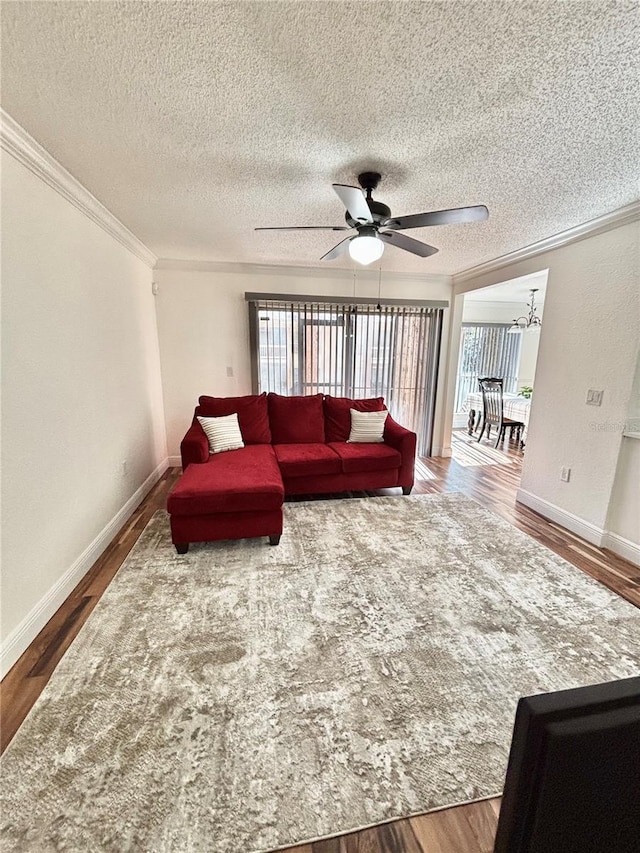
[379,306]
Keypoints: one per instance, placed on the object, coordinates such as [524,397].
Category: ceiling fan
[375,225]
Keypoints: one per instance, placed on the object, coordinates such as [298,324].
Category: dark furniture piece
[573,779]
[293,446]
[493,410]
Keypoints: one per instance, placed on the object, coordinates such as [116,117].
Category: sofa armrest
[194,447]
[404,441]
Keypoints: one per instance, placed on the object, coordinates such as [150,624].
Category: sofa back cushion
[337,414]
[252,411]
[296,420]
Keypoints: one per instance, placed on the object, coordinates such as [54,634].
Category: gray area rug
[244,697]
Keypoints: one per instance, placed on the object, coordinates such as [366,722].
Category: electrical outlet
[594,398]
[565,474]
[124,467]
[229,372]
[154,288]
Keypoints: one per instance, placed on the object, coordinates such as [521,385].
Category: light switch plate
[594,398]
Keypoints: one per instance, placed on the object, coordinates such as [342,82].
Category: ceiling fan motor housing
[379,213]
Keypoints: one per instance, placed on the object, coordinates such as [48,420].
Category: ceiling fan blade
[407,243]
[455,216]
[355,202]
[340,249]
[305,228]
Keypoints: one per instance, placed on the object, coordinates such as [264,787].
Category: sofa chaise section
[234,495]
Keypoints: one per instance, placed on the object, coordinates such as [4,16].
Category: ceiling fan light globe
[366,249]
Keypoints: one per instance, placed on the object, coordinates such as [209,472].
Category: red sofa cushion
[242,480]
[336,483]
[253,414]
[296,420]
[337,415]
[360,458]
[306,460]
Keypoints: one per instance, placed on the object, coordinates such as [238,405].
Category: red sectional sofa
[293,445]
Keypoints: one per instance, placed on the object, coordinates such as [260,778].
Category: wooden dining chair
[493,406]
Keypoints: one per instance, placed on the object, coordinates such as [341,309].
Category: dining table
[514,407]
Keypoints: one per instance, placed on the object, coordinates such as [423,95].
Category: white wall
[589,339]
[203,327]
[623,522]
[490,312]
[81,392]
[528,358]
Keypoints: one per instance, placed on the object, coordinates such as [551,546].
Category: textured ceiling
[195,122]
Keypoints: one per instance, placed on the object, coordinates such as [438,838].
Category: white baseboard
[576,525]
[624,547]
[596,535]
[25,633]
[460,420]
[441,451]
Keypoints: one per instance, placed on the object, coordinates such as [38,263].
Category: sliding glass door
[352,351]
[486,349]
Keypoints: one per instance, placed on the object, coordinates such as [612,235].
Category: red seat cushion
[299,460]
[252,410]
[296,420]
[337,414]
[360,458]
[242,480]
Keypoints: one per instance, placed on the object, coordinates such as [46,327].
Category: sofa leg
[182,547]
[406,490]
[273,540]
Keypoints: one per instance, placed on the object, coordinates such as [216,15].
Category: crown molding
[606,222]
[17,142]
[362,274]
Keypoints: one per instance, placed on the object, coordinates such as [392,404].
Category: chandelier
[530,323]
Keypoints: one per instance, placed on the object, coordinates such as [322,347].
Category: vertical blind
[486,350]
[352,351]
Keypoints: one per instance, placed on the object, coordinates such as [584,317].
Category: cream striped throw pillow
[367,427]
[223,433]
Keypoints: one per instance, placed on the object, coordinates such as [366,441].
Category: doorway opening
[499,340]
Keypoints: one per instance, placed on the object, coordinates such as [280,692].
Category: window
[351,350]
[486,350]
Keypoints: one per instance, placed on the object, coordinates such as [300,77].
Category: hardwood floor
[463,829]
[492,478]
